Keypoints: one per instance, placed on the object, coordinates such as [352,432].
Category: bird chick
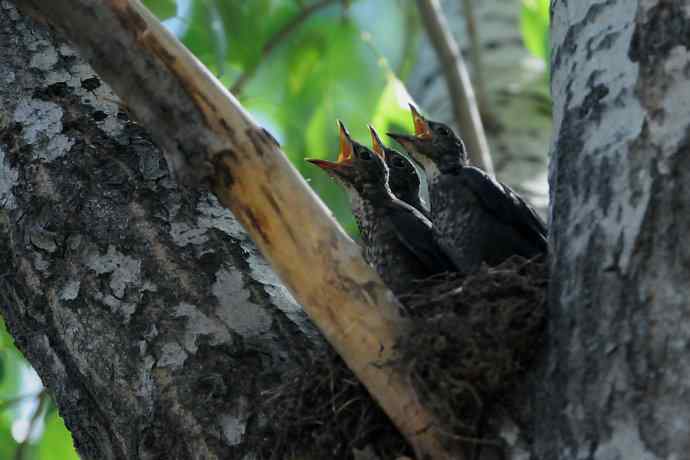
[475,218]
[403,178]
[398,240]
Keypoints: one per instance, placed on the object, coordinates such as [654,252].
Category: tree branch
[208,136]
[458,82]
[276,39]
[488,118]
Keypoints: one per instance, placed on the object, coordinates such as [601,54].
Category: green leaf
[7,442]
[246,33]
[325,69]
[392,111]
[13,363]
[198,37]
[163,9]
[534,26]
[56,443]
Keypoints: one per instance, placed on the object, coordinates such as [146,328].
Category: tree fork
[207,135]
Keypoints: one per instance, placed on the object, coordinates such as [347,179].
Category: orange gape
[421,127]
[376,143]
[345,153]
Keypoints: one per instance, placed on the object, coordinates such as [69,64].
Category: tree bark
[617,379]
[145,308]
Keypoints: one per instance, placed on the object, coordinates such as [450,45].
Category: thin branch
[411,30]
[458,82]
[477,66]
[7,403]
[276,39]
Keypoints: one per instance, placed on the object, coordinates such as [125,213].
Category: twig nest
[323,411]
[471,340]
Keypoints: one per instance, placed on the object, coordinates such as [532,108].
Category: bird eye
[364,155]
[443,131]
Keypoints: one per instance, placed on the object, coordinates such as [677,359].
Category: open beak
[413,145]
[421,126]
[406,140]
[344,161]
[376,143]
[345,144]
[422,132]
[324,164]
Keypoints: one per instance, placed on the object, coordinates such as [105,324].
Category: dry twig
[460,89]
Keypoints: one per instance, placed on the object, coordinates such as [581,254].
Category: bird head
[357,168]
[434,145]
[403,178]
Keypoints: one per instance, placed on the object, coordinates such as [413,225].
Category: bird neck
[411,197]
[421,206]
[375,193]
[432,171]
[364,211]
[365,205]
[451,163]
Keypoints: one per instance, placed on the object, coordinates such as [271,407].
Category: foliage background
[346,60]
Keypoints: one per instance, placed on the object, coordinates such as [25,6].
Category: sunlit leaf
[534,26]
[392,112]
[204,34]
[218,34]
[252,25]
[12,365]
[56,443]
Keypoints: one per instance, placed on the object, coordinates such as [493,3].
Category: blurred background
[297,66]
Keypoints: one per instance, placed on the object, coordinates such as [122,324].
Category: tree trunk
[617,380]
[116,282]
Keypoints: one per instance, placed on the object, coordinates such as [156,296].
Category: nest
[322,409]
[472,340]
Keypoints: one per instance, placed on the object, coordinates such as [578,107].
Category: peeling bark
[617,381]
[116,282]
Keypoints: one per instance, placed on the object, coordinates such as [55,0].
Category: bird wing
[414,231]
[506,205]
